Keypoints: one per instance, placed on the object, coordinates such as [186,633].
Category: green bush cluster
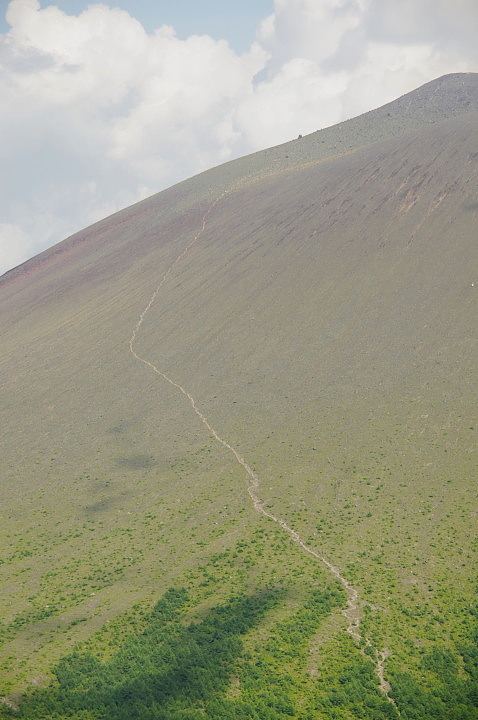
[171,670]
[451,691]
[247,660]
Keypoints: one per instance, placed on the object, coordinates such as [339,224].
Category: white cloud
[308,29]
[183,106]
[96,113]
[445,24]
[15,245]
[296,100]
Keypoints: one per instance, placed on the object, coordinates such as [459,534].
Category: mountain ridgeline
[239,432]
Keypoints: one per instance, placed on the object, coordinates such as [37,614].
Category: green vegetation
[322,324]
[218,666]
[177,670]
[451,692]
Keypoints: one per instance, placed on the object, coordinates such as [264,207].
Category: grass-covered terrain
[324,323]
[255,655]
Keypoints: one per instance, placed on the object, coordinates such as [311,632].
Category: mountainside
[262,379]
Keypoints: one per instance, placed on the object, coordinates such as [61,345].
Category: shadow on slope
[174,671]
[168,670]
[207,668]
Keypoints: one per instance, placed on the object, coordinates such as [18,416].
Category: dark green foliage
[170,671]
[178,671]
[354,694]
[175,671]
[452,692]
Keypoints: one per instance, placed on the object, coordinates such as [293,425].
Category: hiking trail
[352,612]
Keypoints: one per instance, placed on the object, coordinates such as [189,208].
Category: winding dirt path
[352,611]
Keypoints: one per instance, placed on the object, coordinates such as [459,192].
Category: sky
[105,103]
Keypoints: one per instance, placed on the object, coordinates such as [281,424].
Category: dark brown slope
[325,322]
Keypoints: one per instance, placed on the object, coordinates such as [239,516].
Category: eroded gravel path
[353,610]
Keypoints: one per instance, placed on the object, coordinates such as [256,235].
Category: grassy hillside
[324,320]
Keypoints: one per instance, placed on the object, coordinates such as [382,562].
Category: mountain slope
[323,319]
